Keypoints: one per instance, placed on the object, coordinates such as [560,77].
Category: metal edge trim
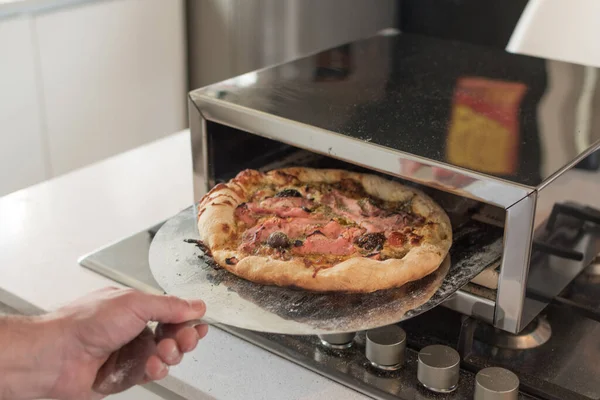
[472,305]
[200,172]
[118,277]
[512,281]
[593,148]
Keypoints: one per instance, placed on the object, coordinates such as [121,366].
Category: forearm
[29,364]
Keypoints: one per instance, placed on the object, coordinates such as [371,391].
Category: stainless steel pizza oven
[470,126]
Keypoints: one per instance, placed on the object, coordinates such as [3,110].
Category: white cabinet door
[22,161]
[113,77]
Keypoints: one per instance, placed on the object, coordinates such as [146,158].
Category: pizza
[323,230]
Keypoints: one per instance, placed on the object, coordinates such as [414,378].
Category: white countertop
[46,228]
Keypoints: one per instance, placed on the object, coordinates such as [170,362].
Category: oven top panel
[472,108]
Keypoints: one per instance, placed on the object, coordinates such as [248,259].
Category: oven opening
[478,227]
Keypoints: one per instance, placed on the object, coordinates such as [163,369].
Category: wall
[84,82]
[232,37]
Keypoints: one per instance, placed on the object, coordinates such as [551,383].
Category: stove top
[554,358]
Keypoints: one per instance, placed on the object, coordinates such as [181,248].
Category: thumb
[167,309]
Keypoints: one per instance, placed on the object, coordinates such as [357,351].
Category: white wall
[82,83]
[23,156]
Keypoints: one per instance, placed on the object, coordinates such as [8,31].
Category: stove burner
[534,335]
[338,341]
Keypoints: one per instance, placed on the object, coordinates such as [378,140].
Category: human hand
[100,344]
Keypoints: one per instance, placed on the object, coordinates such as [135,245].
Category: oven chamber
[389,105]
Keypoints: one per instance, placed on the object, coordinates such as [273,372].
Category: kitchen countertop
[47,227]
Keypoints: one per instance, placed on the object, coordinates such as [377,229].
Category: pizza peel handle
[183,270]
[193,322]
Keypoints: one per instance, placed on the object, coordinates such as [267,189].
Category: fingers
[202,330]
[127,366]
[186,335]
[168,351]
[165,309]
[155,369]
[174,340]
[148,356]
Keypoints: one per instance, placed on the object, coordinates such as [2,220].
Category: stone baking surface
[182,269]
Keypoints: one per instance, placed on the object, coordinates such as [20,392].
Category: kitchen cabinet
[82,82]
[23,160]
[113,77]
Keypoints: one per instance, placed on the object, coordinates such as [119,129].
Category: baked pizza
[323,230]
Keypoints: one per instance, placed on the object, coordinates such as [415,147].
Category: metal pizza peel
[182,269]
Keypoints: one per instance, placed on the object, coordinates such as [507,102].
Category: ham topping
[308,232]
[243,214]
[365,214]
[384,224]
[332,229]
[283,206]
[328,237]
[321,244]
[293,228]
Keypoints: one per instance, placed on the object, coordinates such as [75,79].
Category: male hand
[101,344]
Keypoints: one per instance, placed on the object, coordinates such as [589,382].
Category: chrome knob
[496,384]
[385,347]
[438,368]
[337,340]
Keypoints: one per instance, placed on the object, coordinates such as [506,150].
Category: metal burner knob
[496,384]
[385,347]
[438,368]
[337,340]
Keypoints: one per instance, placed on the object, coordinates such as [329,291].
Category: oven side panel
[512,279]
[565,237]
[199,146]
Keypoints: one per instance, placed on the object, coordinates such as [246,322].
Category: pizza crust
[217,228]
